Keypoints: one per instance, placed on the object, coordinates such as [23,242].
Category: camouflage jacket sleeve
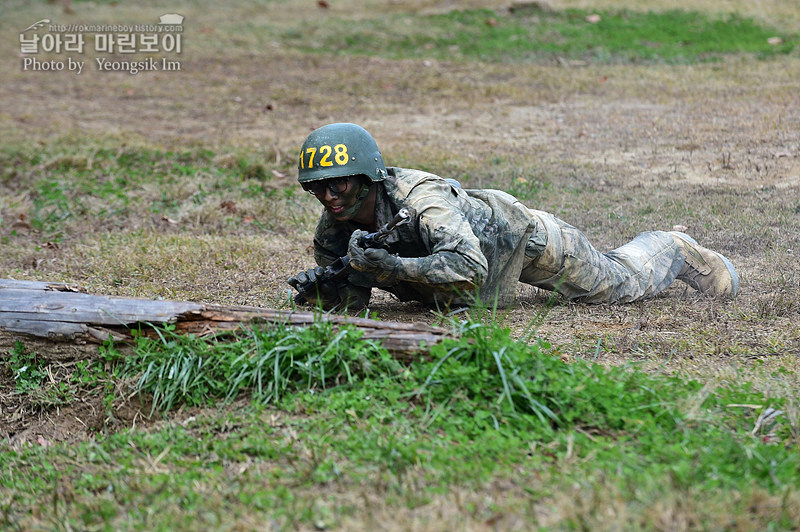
[330,243]
[454,260]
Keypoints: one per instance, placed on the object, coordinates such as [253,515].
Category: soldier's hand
[308,284]
[304,280]
[371,260]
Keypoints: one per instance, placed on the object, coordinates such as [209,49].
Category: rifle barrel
[400,218]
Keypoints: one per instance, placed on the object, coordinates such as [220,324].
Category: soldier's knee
[544,250]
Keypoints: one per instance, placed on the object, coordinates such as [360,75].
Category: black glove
[316,293]
[371,260]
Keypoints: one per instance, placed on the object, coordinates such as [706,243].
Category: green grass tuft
[674,36]
[268,363]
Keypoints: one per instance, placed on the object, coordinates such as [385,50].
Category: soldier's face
[342,205]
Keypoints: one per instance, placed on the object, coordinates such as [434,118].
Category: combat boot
[704,270]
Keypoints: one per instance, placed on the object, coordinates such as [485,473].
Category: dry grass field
[614,148]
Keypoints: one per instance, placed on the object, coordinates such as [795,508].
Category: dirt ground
[621,129]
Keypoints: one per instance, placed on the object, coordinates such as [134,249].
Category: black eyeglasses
[336,186]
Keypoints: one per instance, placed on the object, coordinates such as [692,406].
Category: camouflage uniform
[466,243]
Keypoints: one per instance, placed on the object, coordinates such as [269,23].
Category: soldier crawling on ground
[464,245]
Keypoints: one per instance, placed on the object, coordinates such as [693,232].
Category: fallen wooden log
[61,314]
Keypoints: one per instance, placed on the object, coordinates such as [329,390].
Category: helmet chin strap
[362,195]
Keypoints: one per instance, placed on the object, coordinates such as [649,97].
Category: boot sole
[728,264]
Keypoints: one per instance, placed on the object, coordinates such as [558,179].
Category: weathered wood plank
[82,308]
[61,313]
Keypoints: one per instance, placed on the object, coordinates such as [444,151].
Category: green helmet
[339,150]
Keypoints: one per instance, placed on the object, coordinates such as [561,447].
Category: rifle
[340,268]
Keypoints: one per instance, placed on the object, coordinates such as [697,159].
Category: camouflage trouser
[559,257]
